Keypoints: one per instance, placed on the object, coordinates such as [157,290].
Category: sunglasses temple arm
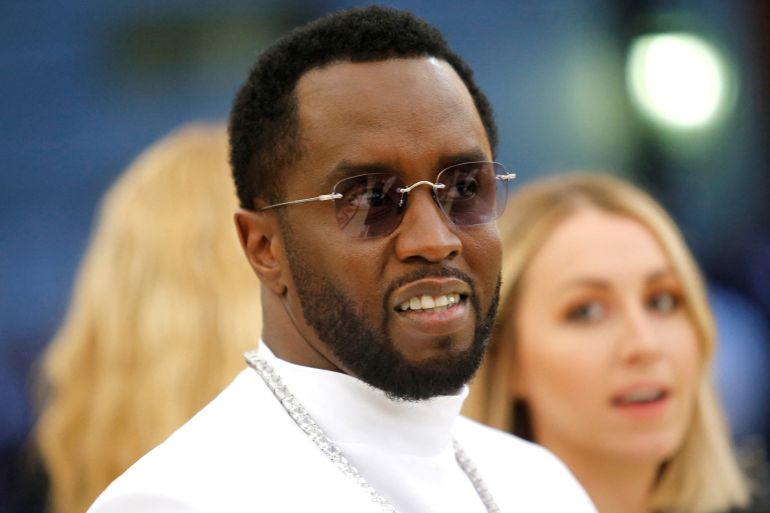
[322,197]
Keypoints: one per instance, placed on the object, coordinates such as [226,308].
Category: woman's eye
[586,312]
[663,302]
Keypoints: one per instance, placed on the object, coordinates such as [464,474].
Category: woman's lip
[641,389]
[429,287]
[642,400]
[644,410]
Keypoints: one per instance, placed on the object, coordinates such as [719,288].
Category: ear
[262,245]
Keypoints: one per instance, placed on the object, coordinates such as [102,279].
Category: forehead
[592,244]
[396,112]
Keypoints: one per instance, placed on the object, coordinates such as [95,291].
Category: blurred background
[674,95]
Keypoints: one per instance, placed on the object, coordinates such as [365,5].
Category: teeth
[642,396]
[435,303]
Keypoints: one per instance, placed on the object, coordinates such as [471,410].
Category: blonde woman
[163,306]
[603,348]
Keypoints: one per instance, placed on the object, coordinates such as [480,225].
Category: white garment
[243,453]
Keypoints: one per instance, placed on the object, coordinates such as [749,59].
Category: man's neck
[284,335]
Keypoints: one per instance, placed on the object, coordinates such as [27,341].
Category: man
[362,154]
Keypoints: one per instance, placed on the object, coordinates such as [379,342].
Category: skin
[412,117]
[600,314]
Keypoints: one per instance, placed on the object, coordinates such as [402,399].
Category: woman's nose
[640,340]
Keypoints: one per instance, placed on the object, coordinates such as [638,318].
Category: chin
[436,350]
[657,447]
[440,370]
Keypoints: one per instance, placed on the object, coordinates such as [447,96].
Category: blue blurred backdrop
[87,85]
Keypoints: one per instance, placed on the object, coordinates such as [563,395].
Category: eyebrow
[473,155]
[587,283]
[596,283]
[667,272]
[345,168]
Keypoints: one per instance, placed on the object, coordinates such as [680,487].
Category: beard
[368,351]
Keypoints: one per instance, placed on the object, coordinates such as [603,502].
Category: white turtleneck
[402,448]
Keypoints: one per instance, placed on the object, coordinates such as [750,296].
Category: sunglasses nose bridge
[407,190]
[404,191]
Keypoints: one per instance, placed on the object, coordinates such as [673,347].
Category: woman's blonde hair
[703,475]
[163,306]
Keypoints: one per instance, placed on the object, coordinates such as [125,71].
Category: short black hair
[263,128]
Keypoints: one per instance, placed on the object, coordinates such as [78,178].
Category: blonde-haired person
[603,348]
[163,307]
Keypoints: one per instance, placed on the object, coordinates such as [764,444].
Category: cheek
[480,242]
[685,353]
[558,375]
[556,366]
[354,267]
[482,251]
[361,272]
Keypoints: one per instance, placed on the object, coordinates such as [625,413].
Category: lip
[642,410]
[433,324]
[429,287]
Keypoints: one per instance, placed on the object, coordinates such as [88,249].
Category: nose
[640,341]
[425,232]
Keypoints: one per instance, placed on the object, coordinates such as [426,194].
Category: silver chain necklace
[302,418]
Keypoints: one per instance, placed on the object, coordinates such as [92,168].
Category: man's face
[412,118]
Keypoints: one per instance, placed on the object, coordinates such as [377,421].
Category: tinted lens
[369,206]
[473,194]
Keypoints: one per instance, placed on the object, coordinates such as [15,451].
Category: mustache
[437,272]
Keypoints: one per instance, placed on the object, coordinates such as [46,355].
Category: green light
[677,79]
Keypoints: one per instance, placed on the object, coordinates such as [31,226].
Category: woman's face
[606,355]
